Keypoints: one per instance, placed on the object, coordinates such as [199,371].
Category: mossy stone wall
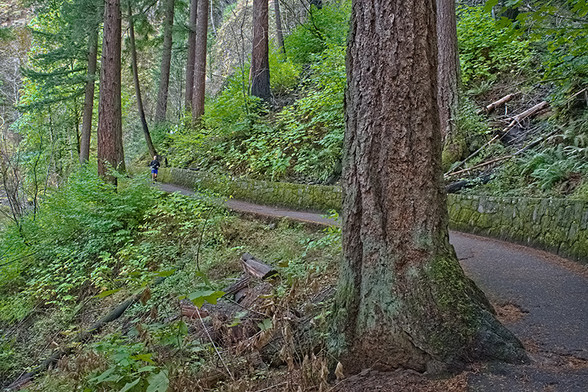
[284,194]
[556,225]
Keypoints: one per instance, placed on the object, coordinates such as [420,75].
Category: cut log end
[256,268]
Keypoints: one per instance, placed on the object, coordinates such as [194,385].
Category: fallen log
[496,104]
[456,186]
[241,283]
[256,268]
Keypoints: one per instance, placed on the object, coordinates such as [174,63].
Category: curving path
[541,297]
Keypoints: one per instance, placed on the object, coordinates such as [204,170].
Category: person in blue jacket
[154,167]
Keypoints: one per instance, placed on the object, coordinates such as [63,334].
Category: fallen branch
[490,108]
[479,165]
[528,113]
[82,336]
[515,120]
[483,164]
[214,345]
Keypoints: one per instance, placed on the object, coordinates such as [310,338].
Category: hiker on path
[154,166]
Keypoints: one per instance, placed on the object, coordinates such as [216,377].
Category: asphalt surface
[547,294]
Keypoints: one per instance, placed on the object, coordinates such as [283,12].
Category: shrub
[487,47]
[324,27]
[284,74]
[69,243]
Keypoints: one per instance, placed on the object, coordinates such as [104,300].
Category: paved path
[547,294]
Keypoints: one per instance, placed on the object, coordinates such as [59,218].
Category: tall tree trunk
[260,75]
[89,96]
[133,48]
[279,31]
[191,55]
[110,145]
[200,63]
[403,299]
[448,69]
[161,108]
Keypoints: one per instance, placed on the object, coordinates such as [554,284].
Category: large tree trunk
[403,299]
[260,76]
[279,31]
[200,63]
[110,146]
[191,55]
[448,70]
[89,96]
[133,48]
[161,108]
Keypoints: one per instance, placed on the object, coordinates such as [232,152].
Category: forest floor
[538,296]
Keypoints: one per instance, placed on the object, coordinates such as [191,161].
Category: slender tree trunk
[89,96]
[403,299]
[317,3]
[279,31]
[260,75]
[110,146]
[448,70]
[191,55]
[200,63]
[133,48]
[161,108]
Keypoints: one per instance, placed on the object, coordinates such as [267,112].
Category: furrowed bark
[448,68]
[110,146]
[403,299]
[260,75]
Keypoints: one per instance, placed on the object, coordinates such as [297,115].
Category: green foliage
[200,297]
[232,106]
[72,241]
[311,130]
[563,31]
[284,73]
[304,139]
[553,167]
[325,27]
[131,368]
[470,133]
[487,47]
[299,267]
[6,34]
[58,67]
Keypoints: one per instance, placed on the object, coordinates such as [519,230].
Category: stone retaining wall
[556,225]
[284,194]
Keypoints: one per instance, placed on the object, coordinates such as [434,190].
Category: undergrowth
[167,249]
